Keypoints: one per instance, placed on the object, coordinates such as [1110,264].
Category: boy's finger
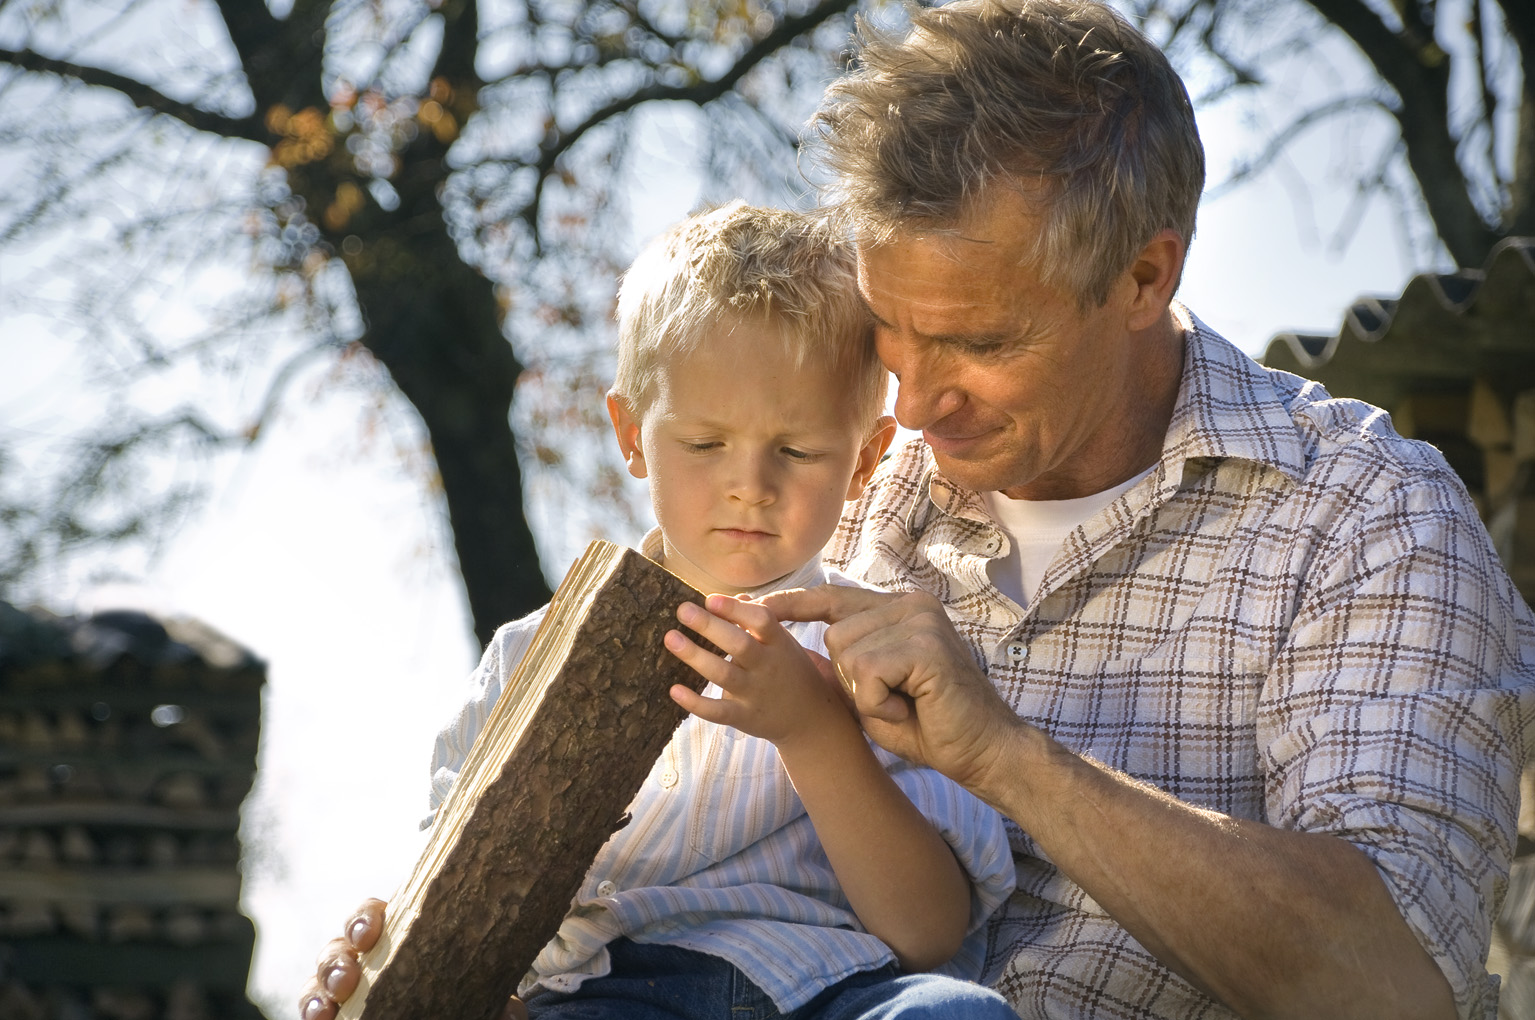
[755,618]
[715,710]
[726,636]
[706,664]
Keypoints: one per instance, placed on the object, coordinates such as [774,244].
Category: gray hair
[743,263]
[1060,99]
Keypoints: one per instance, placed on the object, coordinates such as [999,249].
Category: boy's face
[749,459]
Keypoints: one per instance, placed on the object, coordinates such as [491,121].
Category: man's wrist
[1023,770]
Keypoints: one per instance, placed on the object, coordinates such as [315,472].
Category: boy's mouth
[744,534]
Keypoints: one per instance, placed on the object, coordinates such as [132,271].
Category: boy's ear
[868,457]
[627,431]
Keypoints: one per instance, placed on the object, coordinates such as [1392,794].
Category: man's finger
[830,603]
[365,926]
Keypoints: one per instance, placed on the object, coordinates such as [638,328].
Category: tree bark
[1412,64]
[579,724]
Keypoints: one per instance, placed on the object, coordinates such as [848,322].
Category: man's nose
[923,393]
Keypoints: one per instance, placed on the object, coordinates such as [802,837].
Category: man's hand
[337,971]
[914,683]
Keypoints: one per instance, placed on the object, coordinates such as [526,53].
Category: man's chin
[980,474]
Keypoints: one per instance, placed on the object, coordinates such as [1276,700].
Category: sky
[320,555]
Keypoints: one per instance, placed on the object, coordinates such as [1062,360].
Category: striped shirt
[1297,618]
[720,857]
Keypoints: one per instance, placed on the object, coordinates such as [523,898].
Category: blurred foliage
[435,199]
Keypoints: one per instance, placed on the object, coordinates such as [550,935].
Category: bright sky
[319,556]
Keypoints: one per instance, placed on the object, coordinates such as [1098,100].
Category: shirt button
[1017,653]
[669,778]
[606,888]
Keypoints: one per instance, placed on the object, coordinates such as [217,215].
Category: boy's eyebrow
[716,425]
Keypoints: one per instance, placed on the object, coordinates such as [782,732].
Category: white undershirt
[1036,529]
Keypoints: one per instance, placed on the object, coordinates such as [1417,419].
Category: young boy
[775,864]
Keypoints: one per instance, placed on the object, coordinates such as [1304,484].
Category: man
[1238,662]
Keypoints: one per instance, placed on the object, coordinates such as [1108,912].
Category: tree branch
[139,94]
[699,94]
[1419,71]
[1282,139]
[1519,16]
[281,59]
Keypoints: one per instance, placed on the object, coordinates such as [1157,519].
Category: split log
[564,751]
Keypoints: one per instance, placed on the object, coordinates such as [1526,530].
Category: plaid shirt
[1297,617]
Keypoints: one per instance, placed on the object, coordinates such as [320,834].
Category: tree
[431,187]
[1455,79]
[430,197]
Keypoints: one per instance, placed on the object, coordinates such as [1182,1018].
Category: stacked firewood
[126,747]
[1489,438]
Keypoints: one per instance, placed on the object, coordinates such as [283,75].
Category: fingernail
[333,979]
[673,640]
[687,612]
[356,931]
[314,1008]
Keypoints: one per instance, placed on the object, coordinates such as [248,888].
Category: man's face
[1013,387]
[749,458]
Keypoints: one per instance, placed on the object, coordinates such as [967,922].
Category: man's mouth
[953,440]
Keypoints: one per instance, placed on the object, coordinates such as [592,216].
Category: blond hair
[1060,99]
[741,263]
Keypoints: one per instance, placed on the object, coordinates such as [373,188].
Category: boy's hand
[774,689]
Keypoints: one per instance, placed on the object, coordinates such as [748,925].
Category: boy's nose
[752,482]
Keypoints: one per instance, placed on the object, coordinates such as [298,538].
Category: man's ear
[627,431]
[868,456]
[1155,272]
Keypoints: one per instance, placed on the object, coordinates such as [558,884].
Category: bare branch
[139,94]
[1419,71]
[1282,138]
[699,94]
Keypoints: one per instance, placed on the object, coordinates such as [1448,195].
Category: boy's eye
[700,447]
[793,454]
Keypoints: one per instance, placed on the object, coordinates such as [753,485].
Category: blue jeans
[667,983]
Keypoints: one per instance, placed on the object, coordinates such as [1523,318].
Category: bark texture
[499,892]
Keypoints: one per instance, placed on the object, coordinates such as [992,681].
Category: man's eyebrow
[873,314]
[982,338]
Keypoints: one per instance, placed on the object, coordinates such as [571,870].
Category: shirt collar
[1228,407]
[807,576]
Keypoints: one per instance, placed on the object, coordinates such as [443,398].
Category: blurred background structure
[305,308]
[126,748]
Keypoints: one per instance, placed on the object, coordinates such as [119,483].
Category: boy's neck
[653,546]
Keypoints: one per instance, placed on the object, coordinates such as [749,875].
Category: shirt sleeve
[974,831]
[1399,715]
[502,655]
